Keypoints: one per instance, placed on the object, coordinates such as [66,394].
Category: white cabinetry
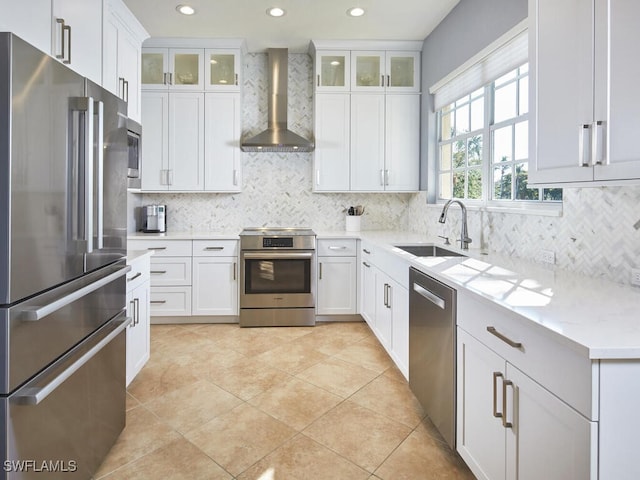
[518,416]
[30,20]
[173,141]
[385,133]
[332,133]
[215,277]
[192,278]
[82,49]
[122,43]
[380,71]
[367,116]
[138,333]
[172,68]
[222,127]
[384,301]
[191,115]
[337,277]
[585,120]
[170,275]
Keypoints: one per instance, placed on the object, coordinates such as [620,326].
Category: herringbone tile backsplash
[595,234]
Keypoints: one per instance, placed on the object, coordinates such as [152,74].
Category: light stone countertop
[596,317]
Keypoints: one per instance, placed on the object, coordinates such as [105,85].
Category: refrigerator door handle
[35,395]
[99,155]
[85,106]
[35,314]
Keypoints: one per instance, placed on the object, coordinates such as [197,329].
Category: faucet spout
[464,232]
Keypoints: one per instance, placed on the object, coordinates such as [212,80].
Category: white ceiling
[305,20]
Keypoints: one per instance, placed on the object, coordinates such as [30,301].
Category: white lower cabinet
[138,332]
[527,405]
[511,427]
[337,277]
[384,302]
[192,277]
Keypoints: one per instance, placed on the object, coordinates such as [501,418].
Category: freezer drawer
[38,331]
[63,423]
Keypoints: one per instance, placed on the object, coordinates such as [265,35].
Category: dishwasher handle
[432,297]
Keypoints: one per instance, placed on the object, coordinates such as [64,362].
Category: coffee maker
[154,218]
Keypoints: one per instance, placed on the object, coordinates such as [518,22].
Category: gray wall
[471,26]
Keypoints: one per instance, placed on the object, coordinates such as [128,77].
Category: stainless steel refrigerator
[63,167]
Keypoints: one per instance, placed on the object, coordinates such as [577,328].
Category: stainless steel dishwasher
[432,351]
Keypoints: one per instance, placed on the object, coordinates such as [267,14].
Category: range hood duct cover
[277,137]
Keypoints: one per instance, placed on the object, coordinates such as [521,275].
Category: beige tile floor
[324,402]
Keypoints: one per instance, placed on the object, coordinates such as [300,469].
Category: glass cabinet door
[368,71]
[155,68]
[332,71]
[222,70]
[403,71]
[186,68]
[172,68]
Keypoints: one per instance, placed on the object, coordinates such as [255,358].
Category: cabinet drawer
[139,272]
[557,367]
[170,271]
[337,247]
[162,248]
[170,301]
[215,248]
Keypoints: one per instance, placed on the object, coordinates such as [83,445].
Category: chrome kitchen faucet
[464,233]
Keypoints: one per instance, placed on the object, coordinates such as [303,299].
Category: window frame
[487,132]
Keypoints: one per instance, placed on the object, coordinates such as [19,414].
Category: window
[484,144]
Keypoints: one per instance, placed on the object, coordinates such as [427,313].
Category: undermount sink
[429,251]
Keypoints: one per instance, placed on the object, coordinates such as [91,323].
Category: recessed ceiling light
[276,12]
[185,9]
[335,63]
[355,12]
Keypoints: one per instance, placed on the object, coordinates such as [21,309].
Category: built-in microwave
[134,142]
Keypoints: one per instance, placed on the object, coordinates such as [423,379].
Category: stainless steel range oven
[277,277]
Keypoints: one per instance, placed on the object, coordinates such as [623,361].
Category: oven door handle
[278,255]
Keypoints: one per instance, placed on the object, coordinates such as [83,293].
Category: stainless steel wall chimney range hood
[277,137]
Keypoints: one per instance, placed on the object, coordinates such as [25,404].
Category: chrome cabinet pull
[332,247]
[389,296]
[320,271]
[382,80]
[235,177]
[366,251]
[598,151]
[236,79]
[157,272]
[386,177]
[214,248]
[366,264]
[505,384]
[134,277]
[64,28]
[505,339]
[583,146]
[157,248]
[317,177]
[157,302]
[382,177]
[235,268]
[496,375]
[388,80]
[126,91]
[136,311]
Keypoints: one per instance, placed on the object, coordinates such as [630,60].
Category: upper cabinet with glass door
[385,71]
[222,70]
[332,71]
[172,68]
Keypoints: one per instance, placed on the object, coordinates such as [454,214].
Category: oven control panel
[277,242]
